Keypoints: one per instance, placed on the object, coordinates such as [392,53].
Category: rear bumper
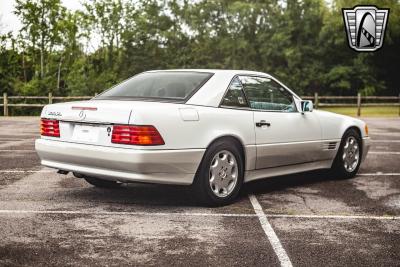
[121,164]
[366,143]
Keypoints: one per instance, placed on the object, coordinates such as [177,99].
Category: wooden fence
[319,101]
[358,101]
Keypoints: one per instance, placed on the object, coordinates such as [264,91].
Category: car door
[284,135]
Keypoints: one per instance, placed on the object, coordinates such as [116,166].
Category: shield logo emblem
[365,27]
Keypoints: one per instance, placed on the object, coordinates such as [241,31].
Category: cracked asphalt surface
[48,219]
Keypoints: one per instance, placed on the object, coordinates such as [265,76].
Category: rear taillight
[136,135]
[50,128]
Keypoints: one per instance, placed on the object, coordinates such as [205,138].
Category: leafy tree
[302,42]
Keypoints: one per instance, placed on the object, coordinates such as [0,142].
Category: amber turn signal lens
[366,130]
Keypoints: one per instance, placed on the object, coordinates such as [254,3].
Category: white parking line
[27,171]
[198,214]
[14,143]
[17,150]
[384,152]
[269,231]
[380,174]
[316,216]
[54,171]
[127,213]
[385,141]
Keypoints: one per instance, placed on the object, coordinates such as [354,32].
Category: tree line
[301,42]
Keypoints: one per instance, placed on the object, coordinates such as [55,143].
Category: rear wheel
[220,174]
[101,183]
[348,158]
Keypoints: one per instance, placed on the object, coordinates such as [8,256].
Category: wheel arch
[356,128]
[235,139]
[351,127]
[359,131]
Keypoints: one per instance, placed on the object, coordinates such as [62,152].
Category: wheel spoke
[351,154]
[223,173]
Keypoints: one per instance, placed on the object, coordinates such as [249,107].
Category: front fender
[335,125]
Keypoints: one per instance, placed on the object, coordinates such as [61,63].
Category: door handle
[263,123]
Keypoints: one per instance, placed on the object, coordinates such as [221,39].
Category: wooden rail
[395,101]
[359,101]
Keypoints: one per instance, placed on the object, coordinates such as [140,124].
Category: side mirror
[306,106]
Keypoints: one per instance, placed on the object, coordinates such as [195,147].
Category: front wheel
[348,159]
[220,175]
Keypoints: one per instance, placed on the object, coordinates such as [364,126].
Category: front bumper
[366,143]
[121,164]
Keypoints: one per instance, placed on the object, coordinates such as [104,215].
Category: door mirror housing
[306,106]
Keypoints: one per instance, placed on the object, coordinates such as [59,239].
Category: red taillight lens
[136,135]
[50,128]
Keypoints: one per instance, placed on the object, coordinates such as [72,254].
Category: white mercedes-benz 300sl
[212,129]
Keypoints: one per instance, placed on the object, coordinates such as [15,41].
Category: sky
[10,22]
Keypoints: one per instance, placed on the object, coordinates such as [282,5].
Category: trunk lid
[117,112]
[88,122]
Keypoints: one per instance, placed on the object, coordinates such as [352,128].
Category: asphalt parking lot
[305,219]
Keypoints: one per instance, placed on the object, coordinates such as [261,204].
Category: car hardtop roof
[216,71]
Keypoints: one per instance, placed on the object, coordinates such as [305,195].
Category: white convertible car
[212,129]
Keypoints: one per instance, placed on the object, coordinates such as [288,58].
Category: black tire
[102,183]
[338,168]
[201,185]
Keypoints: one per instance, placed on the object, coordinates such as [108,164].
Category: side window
[266,94]
[234,97]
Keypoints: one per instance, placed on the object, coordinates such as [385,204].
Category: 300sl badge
[54,113]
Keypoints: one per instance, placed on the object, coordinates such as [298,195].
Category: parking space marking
[15,143]
[379,174]
[198,214]
[18,150]
[347,217]
[127,213]
[270,233]
[54,171]
[385,141]
[27,171]
[384,152]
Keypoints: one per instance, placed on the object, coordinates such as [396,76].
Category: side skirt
[284,170]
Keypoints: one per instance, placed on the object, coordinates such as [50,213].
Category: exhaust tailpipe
[62,172]
[78,175]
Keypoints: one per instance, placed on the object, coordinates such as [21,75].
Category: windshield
[168,85]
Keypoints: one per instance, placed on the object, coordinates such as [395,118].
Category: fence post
[95,94]
[358,104]
[50,98]
[5,104]
[316,100]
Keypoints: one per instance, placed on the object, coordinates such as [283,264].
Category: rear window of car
[167,85]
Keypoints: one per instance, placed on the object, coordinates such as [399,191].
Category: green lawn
[386,111]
